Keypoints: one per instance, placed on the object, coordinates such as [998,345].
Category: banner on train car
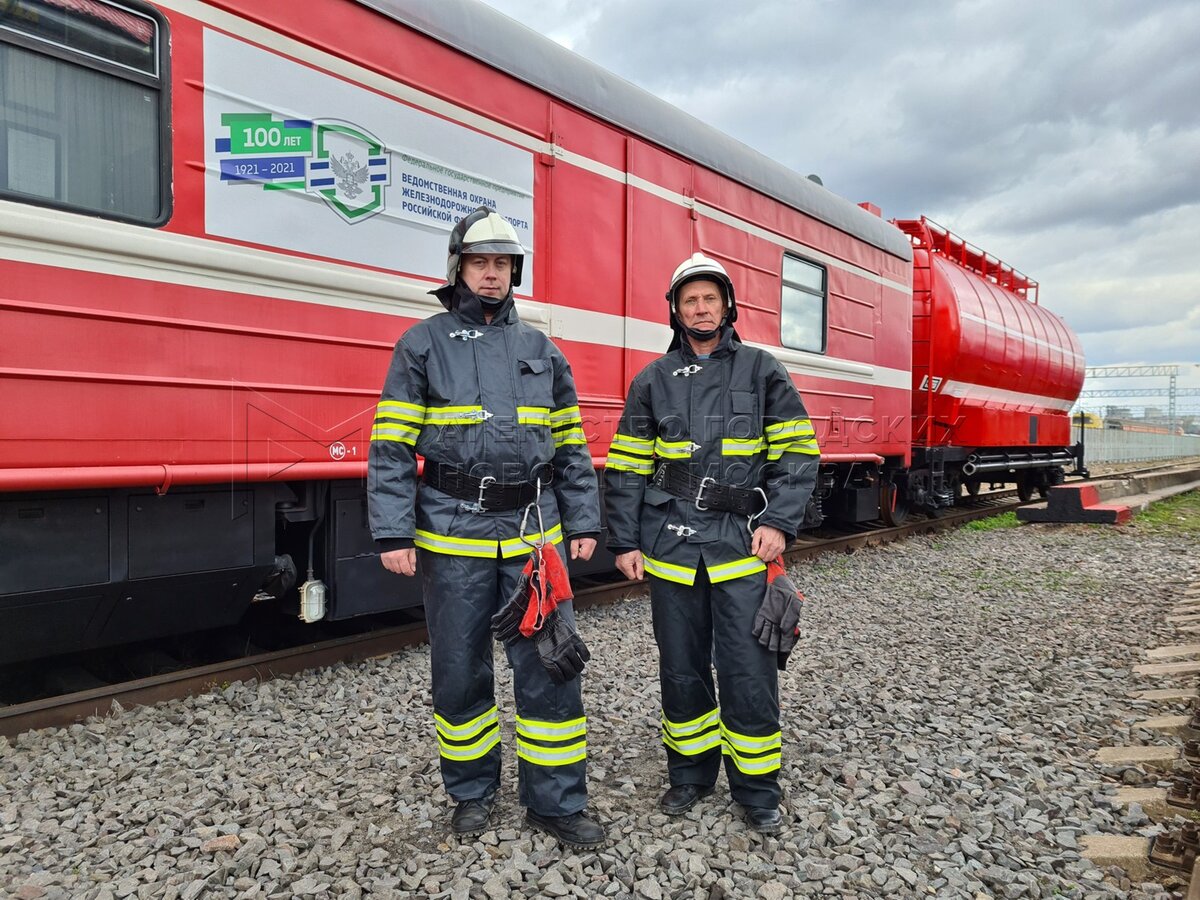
[303,160]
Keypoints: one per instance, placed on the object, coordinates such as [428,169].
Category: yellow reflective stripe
[673,449]
[635,445]
[742,446]
[401,433]
[565,415]
[482,547]
[699,735]
[807,448]
[629,464]
[533,415]
[440,543]
[389,418]
[790,428]
[695,746]
[738,746]
[466,729]
[791,434]
[400,409]
[455,415]
[691,727]
[736,569]
[464,753]
[554,731]
[669,572]
[515,546]
[544,756]
[749,744]
[566,438]
[395,428]
[759,765]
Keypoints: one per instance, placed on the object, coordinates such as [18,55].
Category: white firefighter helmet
[484,231]
[696,267]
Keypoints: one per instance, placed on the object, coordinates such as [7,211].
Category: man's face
[700,305]
[487,274]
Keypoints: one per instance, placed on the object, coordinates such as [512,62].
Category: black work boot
[763,819]
[471,816]
[576,830]
[679,798]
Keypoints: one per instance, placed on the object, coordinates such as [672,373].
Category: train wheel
[972,488]
[893,504]
[1024,488]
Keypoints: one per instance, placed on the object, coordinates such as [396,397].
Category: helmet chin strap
[704,335]
[698,333]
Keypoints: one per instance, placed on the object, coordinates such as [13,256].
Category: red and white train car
[217,216]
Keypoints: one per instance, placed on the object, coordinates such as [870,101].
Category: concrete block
[1167,694]
[1173,651]
[1152,800]
[1157,758]
[1176,725]
[1111,501]
[1130,853]
[1179,668]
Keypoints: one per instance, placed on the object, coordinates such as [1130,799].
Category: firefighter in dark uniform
[707,479]
[490,404]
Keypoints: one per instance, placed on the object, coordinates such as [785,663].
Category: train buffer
[1112,501]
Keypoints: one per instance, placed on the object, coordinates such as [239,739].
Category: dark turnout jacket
[492,399]
[734,416]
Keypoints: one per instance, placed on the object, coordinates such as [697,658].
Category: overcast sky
[1061,136]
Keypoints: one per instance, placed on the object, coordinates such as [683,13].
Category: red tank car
[994,373]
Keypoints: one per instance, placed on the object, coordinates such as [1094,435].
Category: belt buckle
[704,483]
[477,506]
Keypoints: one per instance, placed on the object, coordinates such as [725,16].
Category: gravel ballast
[940,716]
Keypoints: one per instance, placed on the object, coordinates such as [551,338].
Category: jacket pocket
[744,419]
[536,383]
[656,511]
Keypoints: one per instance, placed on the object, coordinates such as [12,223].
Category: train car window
[802,305]
[84,108]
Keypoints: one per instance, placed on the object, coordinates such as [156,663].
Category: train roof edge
[493,38]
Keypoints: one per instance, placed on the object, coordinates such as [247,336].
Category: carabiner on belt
[536,506]
[757,515]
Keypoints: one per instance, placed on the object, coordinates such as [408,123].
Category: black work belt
[486,494]
[708,493]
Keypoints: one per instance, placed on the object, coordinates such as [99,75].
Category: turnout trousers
[462,593]
[690,623]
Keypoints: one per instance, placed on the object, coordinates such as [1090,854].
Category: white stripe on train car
[51,237]
[984,394]
[275,41]
[1025,338]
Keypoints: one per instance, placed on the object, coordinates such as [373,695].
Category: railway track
[73,706]
[76,705]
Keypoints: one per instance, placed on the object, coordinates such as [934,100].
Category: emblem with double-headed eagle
[350,175]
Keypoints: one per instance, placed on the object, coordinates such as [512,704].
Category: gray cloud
[1061,136]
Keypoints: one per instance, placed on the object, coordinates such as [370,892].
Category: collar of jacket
[726,346]
[468,305]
